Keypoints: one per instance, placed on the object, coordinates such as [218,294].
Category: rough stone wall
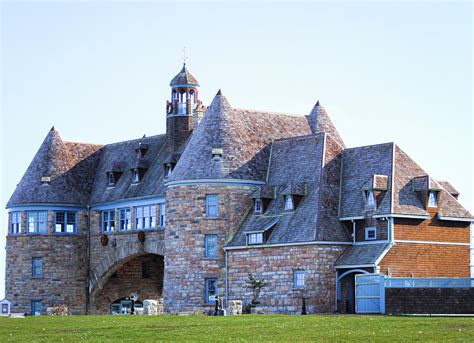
[276,265]
[64,280]
[186,267]
[128,279]
[429,300]
[428,260]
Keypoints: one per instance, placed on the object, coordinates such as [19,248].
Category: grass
[248,328]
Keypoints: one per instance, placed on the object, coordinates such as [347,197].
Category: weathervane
[184,55]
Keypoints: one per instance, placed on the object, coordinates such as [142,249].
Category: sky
[100,71]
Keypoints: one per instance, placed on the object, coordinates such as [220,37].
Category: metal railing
[397,282]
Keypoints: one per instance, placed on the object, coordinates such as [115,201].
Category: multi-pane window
[258,205]
[370,233]
[298,279]
[37,221]
[433,199]
[255,238]
[37,266]
[212,206]
[135,176]
[162,215]
[110,179]
[15,223]
[145,217]
[212,290]
[36,308]
[125,219]
[289,203]
[108,221]
[210,242]
[370,202]
[145,269]
[65,222]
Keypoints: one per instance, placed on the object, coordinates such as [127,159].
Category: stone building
[186,216]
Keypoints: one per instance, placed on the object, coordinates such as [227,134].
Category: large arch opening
[345,289]
[140,275]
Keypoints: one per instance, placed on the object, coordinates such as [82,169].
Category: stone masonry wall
[276,265]
[64,280]
[186,267]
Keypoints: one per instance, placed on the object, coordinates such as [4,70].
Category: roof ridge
[370,145]
[135,139]
[269,112]
[312,135]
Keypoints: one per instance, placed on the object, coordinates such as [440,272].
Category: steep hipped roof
[70,167]
[184,77]
[320,122]
[124,154]
[244,137]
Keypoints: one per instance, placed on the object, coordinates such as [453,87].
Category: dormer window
[255,238]
[168,169]
[433,199]
[110,179]
[216,154]
[135,176]
[141,150]
[289,203]
[45,180]
[258,205]
[370,200]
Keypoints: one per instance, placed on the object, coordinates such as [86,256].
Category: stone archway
[345,290]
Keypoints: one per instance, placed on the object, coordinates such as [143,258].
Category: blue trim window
[37,222]
[15,223]
[135,176]
[37,266]
[36,308]
[108,221]
[255,238]
[433,199]
[370,200]
[258,205]
[212,290]
[289,203]
[298,279]
[65,222]
[212,203]
[125,216]
[145,217]
[210,243]
[162,215]
[370,233]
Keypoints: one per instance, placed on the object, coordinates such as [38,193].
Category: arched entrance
[140,275]
[345,291]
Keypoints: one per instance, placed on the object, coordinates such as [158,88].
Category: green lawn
[248,328]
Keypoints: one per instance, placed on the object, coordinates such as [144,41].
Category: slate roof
[449,188]
[321,122]
[71,168]
[361,254]
[184,77]
[244,137]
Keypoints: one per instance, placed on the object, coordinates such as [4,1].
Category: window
[145,269]
[255,238]
[124,219]
[145,217]
[298,279]
[168,169]
[258,206]
[135,176]
[212,290]
[217,154]
[289,203]
[210,245]
[15,223]
[370,233]
[110,179]
[433,199]
[108,221]
[36,308]
[212,206]
[4,308]
[162,215]
[37,266]
[65,222]
[370,200]
[37,222]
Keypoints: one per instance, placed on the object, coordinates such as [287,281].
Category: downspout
[353,231]
[226,283]
[88,257]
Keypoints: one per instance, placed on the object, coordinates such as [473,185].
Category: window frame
[298,276]
[289,201]
[258,205]
[370,203]
[251,241]
[135,176]
[108,227]
[36,223]
[147,222]
[211,251]
[15,222]
[432,199]
[367,233]
[65,222]
[162,215]
[111,179]
[207,283]
[125,219]
[210,205]
[36,307]
[37,267]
